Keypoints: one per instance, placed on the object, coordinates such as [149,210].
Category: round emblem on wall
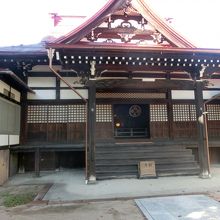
[135,111]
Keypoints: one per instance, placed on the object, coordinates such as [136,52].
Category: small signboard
[147,169]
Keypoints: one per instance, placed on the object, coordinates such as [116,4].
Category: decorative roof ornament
[104,27]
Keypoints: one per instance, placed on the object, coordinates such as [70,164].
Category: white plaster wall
[17,94]
[3,85]
[3,140]
[69,94]
[42,95]
[71,81]
[183,94]
[189,94]
[209,94]
[14,139]
[42,82]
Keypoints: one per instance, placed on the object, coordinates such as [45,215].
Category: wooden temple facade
[121,88]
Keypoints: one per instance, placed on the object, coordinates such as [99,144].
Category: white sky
[28,21]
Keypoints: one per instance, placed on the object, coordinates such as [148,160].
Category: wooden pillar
[37,162]
[170,113]
[23,120]
[91,123]
[202,131]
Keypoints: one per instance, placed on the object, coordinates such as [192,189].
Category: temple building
[121,88]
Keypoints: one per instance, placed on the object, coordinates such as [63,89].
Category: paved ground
[108,210]
[69,186]
[187,207]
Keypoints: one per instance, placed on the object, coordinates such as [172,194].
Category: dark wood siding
[159,129]
[104,130]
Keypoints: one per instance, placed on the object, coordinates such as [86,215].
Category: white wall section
[73,81]
[3,140]
[69,94]
[189,94]
[14,139]
[42,82]
[183,94]
[42,94]
[3,86]
[17,94]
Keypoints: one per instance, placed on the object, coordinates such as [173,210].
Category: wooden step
[121,160]
[100,162]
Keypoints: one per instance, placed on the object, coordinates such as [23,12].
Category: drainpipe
[50,52]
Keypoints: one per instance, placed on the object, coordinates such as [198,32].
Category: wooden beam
[202,131]
[91,120]
[138,83]
[24,112]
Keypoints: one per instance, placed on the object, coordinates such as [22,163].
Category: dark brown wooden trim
[202,135]
[57,88]
[170,113]
[37,162]
[91,112]
[23,120]
[55,102]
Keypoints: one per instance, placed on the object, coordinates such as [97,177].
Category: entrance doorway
[131,120]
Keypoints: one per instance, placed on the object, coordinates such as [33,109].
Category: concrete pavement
[69,185]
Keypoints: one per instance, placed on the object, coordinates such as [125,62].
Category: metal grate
[184,113]
[213,112]
[103,113]
[158,113]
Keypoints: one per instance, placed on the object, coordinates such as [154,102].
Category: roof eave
[160,25]
[90,22]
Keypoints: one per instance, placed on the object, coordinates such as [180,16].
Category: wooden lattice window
[77,113]
[158,113]
[103,113]
[37,114]
[213,112]
[57,113]
[66,113]
[184,113]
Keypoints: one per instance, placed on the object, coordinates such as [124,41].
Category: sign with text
[147,169]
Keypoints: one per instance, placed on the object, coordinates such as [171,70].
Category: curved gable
[98,29]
